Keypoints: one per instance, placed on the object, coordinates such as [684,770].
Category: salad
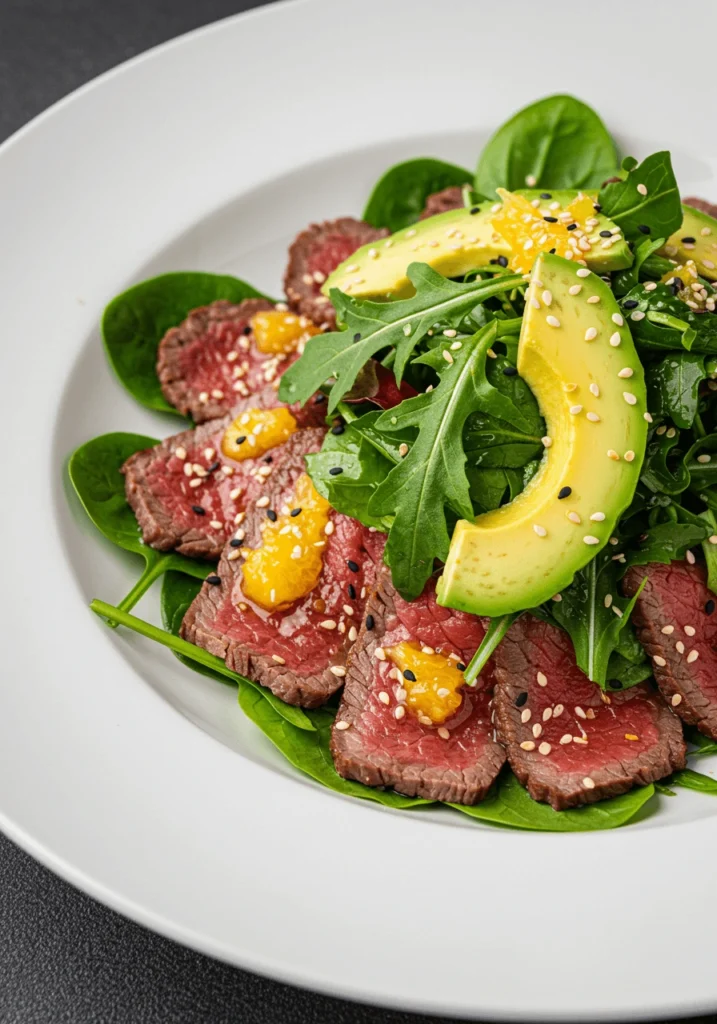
[444,514]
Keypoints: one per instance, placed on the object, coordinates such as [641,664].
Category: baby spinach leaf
[694,780]
[493,443]
[673,386]
[662,472]
[135,322]
[175,601]
[668,323]
[667,542]
[647,196]
[709,549]
[398,198]
[558,141]
[705,746]
[626,672]
[491,488]
[587,612]
[372,326]
[625,280]
[432,475]
[94,470]
[509,804]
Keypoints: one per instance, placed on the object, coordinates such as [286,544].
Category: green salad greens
[466,436]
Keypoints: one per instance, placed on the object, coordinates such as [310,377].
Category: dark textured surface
[64,959]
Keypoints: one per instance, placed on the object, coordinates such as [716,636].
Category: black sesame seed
[551,220]
[492,261]
[247,330]
[510,371]
[271,514]
[565,492]
[199,510]
[357,336]
[235,542]
[503,261]
[241,440]
[336,470]
[461,667]
[709,607]
[606,234]
[410,676]
[295,512]
[351,590]
[676,285]
[571,227]
[616,684]
[645,228]
[545,195]
[630,303]
[268,459]
[214,467]
[475,209]
[352,565]
[370,622]
[338,429]
[214,580]
[320,399]
[551,252]
[688,240]
[597,207]
[521,699]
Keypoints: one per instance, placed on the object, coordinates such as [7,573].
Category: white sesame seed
[535,303]
[526,715]
[646,416]
[583,272]
[527,745]
[637,315]
[544,748]
[617,319]
[668,630]
[558,710]
[626,372]
[537,730]
[642,190]
[278,659]
[617,611]
[650,286]
[338,670]
[546,441]
[427,650]
[216,524]
[384,698]
[188,469]
[598,517]
[629,397]
[343,725]
[570,387]
[565,739]
[575,289]
[547,714]
[607,600]
[589,539]
[594,298]
[400,712]
[540,530]
[553,321]
[676,699]
[195,483]
[328,624]
[593,417]
[575,410]
[713,539]
[203,396]
[574,518]
[615,339]
[216,393]
[595,390]
[709,264]
[704,458]
[671,432]
[693,656]
[444,733]
[612,454]
[690,630]
[591,334]
[348,609]
[542,679]
[353,633]
[407,330]
[380,654]
[547,297]
[629,456]
[659,661]
[580,713]
[450,333]
[690,557]
[233,555]
[588,782]
[447,356]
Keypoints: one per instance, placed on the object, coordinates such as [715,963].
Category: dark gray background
[63,957]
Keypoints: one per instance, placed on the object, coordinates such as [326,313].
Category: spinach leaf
[491,488]
[647,196]
[625,280]
[398,198]
[694,780]
[710,550]
[135,322]
[94,471]
[587,612]
[175,601]
[510,805]
[372,326]
[673,386]
[667,542]
[662,472]
[493,443]
[432,474]
[626,672]
[668,323]
[558,141]
[705,746]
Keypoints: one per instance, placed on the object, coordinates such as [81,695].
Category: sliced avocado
[454,243]
[696,240]
[591,390]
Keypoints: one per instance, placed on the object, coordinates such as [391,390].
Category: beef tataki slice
[450,198]
[298,653]
[569,743]
[701,204]
[186,493]
[210,360]
[676,623]
[313,255]
[369,744]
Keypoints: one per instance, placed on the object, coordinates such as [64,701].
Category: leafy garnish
[673,386]
[689,779]
[373,326]
[647,197]
[668,323]
[432,474]
[494,443]
[624,280]
[94,471]
[398,197]
[135,322]
[497,629]
[557,142]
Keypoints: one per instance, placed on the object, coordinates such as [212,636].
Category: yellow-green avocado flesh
[579,360]
[696,240]
[454,243]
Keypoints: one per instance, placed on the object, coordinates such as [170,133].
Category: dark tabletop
[63,957]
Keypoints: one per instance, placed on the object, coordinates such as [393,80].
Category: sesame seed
[591,334]
[427,650]
[693,656]
[521,699]
[542,679]
[642,190]
[526,715]
[615,339]
[583,272]
[575,410]
[574,518]
[195,483]
[546,441]
[328,624]
[659,661]
[575,289]
[263,501]
[527,745]
[617,611]
[400,712]
[626,372]
[704,458]
[216,524]
[544,748]
[637,315]
[629,456]
[450,333]
[593,417]
[547,297]
[580,713]
[564,492]
[540,530]
[589,539]
[690,557]
[676,699]
[667,630]
[444,733]
[329,529]
[403,450]
[380,653]
[690,630]
[343,725]
[588,782]
[547,714]
[617,319]
[594,298]
[629,397]
[595,390]
[537,730]
[278,659]
[713,539]
[447,356]
[565,739]
[598,517]
[646,416]
[553,321]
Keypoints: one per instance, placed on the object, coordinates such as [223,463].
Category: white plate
[211,152]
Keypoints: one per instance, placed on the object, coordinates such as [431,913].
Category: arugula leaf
[657,473]
[511,805]
[94,471]
[593,624]
[667,542]
[669,324]
[659,208]
[398,197]
[135,322]
[399,325]
[673,386]
[559,141]
[625,280]
[432,474]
